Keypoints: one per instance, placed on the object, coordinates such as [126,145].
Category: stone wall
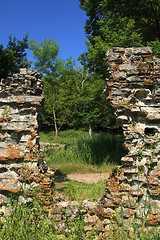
[133,91]
[21,98]
[132,192]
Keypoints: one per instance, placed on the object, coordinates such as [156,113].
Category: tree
[73,98]
[53,68]
[125,23]
[13,57]
[146,14]
[118,23]
[5,57]
[83,101]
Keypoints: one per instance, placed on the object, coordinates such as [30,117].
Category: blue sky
[62,20]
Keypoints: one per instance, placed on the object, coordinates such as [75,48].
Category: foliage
[155,45]
[73,98]
[32,221]
[47,61]
[27,222]
[82,101]
[79,191]
[101,153]
[145,14]
[13,57]
[118,23]
[123,23]
[46,58]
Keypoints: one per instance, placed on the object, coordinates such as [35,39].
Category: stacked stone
[133,92]
[133,190]
[21,98]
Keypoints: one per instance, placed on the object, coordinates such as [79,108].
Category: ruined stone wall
[21,98]
[133,91]
[132,191]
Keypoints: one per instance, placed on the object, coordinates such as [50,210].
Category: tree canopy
[73,98]
[126,23]
[14,56]
[47,61]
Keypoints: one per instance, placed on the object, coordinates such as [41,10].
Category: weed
[140,155]
[139,229]
[29,221]
[124,102]
[26,221]
[141,169]
[150,132]
[150,166]
[5,112]
[153,152]
[76,226]
[134,124]
[80,191]
[71,190]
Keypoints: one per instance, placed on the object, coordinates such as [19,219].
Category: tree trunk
[90,130]
[55,124]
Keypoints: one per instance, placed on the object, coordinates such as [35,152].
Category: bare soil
[88,177]
[85,177]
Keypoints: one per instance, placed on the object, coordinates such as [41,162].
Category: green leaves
[46,58]
[123,23]
[73,97]
[155,45]
[45,55]
[56,72]
[13,57]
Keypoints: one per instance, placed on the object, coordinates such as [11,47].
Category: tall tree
[146,14]
[83,101]
[14,56]
[73,98]
[125,23]
[53,68]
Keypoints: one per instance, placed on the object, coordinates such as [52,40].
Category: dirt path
[88,177]
[85,177]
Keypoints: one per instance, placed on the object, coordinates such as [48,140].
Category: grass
[26,222]
[80,153]
[30,221]
[84,154]
[67,167]
[64,137]
[79,191]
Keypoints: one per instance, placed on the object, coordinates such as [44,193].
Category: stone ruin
[133,189]
[133,92]
[21,166]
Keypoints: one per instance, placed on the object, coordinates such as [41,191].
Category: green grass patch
[79,191]
[31,221]
[27,222]
[64,137]
[100,153]
[67,168]
[81,154]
